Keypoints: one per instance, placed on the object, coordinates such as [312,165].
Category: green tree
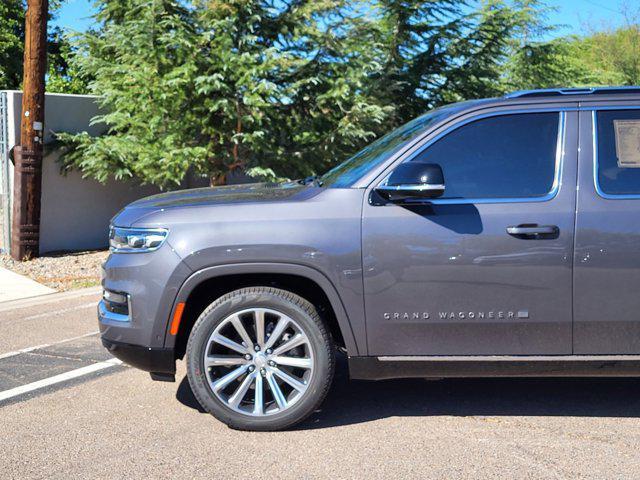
[11,43]
[283,88]
[324,107]
[474,68]
[63,76]
[533,61]
[219,86]
[611,57]
[437,52]
[12,16]
[142,65]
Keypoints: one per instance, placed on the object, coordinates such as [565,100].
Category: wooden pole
[25,236]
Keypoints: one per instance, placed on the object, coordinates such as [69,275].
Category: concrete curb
[49,298]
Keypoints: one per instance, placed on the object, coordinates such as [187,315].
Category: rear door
[446,277]
[607,255]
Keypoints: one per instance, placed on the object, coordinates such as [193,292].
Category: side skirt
[382,368]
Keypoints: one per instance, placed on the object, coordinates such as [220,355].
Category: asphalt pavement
[68,410]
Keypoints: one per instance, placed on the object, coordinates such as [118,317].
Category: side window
[618,152]
[507,156]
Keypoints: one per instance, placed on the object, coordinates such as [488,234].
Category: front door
[455,276]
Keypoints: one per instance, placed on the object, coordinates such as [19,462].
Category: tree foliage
[610,57]
[11,43]
[288,88]
[280,88]
[142,63]
[532,60]
[12,25]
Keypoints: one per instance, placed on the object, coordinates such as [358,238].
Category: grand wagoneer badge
[463,315]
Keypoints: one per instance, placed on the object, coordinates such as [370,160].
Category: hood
[226,195]
[253,192]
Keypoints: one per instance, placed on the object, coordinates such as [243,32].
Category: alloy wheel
[258,362]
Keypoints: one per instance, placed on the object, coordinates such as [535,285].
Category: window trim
[558,169]
[594,130]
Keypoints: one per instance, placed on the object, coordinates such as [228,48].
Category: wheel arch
[207,284]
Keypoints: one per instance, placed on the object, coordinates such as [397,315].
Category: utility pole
[25,236]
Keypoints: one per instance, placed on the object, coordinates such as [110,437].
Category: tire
[302,374]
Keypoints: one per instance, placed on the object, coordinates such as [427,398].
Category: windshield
[349,171]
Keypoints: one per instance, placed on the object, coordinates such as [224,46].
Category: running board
[382,368]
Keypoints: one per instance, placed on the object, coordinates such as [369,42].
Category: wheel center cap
[260,360]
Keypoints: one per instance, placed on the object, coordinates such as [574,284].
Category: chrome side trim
[588,107]
[412,188]
[557,182]
[506,358]
[596,183]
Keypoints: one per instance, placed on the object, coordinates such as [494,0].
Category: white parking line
[57,312]
[50,298]
[45,345]
[63,377]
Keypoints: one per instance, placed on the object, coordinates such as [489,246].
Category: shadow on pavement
[186,397]
[352,402]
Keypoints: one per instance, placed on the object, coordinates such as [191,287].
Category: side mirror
[413,180]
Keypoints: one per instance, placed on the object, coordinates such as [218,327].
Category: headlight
[136,240]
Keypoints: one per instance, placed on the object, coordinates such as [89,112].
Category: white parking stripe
[63,377]
[51,298]
[58,312]
[44,345]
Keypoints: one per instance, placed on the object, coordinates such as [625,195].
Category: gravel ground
[64,271]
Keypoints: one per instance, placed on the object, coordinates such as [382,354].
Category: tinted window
[351,170]
[619,152]
[508,156]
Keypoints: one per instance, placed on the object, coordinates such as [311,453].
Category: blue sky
[574,14]
[75,15]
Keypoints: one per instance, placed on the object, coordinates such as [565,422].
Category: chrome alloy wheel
[258,362]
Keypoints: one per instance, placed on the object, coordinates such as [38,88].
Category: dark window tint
[619,152]
[508,156]
[353,169]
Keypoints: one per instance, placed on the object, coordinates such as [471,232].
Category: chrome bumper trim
[106,315]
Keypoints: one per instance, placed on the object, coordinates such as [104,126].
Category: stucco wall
[75,211]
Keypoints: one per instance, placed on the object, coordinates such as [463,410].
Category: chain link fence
[5,198]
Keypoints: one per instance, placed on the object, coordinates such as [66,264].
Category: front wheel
[260,358]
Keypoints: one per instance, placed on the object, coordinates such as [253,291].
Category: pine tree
[271,88]
[325,108]
[142,62]
[288,88]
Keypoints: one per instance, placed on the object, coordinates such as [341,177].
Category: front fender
[275,268]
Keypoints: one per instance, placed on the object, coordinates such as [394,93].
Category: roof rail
[551,92]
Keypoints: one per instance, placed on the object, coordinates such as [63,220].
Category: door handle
[533,231]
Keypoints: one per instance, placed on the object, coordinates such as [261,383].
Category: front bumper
[137,334]
[151,282]
[154,360]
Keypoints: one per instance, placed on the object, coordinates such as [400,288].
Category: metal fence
[5,197]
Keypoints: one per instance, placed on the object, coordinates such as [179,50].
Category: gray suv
[497,237]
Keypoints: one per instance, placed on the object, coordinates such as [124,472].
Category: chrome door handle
[532,231]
